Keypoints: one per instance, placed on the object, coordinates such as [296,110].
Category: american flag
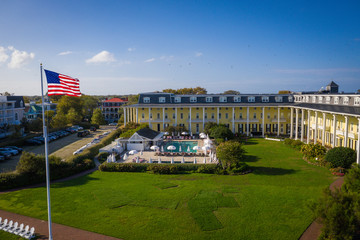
[60,84]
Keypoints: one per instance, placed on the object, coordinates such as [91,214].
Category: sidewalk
[60,232]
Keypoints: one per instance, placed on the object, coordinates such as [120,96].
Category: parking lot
[62,147]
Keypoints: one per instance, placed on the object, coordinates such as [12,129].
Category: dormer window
[237,99]
[146,100]
[336,100]
[193,99]
[291,99]
[346,100]
[278,99]
[223,99]
[357,101]
[265,99]
[161,99]
[320,99]
[209,99]
[251,99]
[177,99]
[314,99]
[307,99]
[327,99]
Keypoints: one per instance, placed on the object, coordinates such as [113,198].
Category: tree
[222,132]
[59,120]
[231,154]
[121,120]
[66,103]
[232,92]
[197,90]
[284,91]
[88,103]
[209,126]
[340,157]
[133,99]
[97,117]
[73,117]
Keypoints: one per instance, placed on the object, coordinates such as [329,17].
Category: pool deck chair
[4,224]
[30,234]
[11,230]
[10,225]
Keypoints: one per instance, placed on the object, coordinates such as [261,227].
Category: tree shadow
[272,171]
[74,182]
[250,158]
[250,141]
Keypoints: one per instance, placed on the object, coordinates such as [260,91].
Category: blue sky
[128,47]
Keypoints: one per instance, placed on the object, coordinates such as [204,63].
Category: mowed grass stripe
[270,202]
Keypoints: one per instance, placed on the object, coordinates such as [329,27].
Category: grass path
[266,204]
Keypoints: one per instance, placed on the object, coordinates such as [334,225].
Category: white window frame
[237,99]
[146,100]
[265,99]
[177,99]
[209,99]
[336,100]
[251,99]
[193,99]
[162,99]
[278,99]
[290,99]
[321,99]
[313,98]
[346,100]
[357,101]
[223,99]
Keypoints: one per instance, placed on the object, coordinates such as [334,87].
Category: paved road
[62,147]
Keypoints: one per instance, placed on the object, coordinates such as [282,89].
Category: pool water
[186,146]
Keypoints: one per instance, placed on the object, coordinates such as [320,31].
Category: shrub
[352,180]
[288,141]
[230,153]
[340,157]
[207,168]
[297,144]
[221,131]
[311,151]
[103,156]
[123,167]
[163,169]
[240,168]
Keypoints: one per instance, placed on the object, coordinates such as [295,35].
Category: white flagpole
[46,155]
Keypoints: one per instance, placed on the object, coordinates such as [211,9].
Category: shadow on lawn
[250,141]
[74,182]
[272,171]
[250,158]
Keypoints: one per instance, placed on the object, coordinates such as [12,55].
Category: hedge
[340,157]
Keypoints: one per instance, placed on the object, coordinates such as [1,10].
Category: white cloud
[149,60]
[131,49]
[65,53]
[3,55]
[167,58]
[102,57]
[19,58]
[198,54]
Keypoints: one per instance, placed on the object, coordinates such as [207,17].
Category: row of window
[236,99]
[327,99]
[212,116]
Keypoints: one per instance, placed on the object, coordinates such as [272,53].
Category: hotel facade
[326,117]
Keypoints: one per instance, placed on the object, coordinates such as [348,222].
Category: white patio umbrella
[150,160]
[166,133]
[188,149]
[132,152]
[125,156]
[171,148]
[154,147]
[183,160]
[184,133]
[195,160]
[159,160]
[137,159]
[196,148]
[113,159]
[141,152]
[180,148]
[202,135]
[162,148]
[172,160]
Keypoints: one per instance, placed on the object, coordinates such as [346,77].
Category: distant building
[11,112]
[34,111]
[111,109]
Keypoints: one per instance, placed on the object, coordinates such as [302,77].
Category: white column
[316,127]
[324,127]
[233,120]
[163,118]
[203,119]
[346,132]
[334,129]
[190,120]
[149,118]
[263,122]
[308,129]
[302,125]
[296,123]
[124,116]
[247,122]
[176,120]
[218,111]
[278,122]
[358,143]
[137,116]
[291,122]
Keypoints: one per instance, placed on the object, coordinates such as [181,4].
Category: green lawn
[266,204]
[9,236]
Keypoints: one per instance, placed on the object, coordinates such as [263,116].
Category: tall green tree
[97,117]
[88,103]
[230,153]
[59,120]
[73,116]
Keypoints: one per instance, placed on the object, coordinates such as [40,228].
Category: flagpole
[46,155]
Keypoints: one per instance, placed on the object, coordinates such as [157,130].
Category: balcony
[275,120]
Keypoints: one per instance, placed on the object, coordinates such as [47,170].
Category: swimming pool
[184,146]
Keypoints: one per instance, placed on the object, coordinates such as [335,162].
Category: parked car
[6,155]
[92,128]
[16,148]
[11,151]
[83,133]
[112,124]
[2,158]
[33,142]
